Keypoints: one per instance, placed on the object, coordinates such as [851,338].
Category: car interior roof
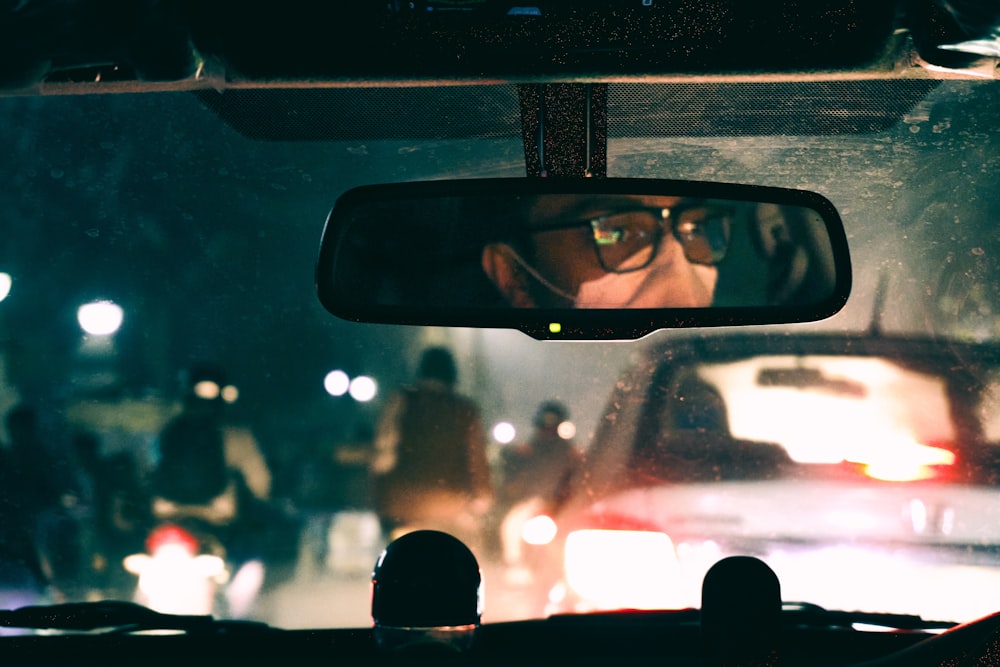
[122,46]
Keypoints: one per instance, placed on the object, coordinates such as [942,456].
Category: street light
[5,282]
[100,318]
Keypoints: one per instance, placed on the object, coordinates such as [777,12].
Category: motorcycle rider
[429,467]
[534,474]
[206,464]
[212,475]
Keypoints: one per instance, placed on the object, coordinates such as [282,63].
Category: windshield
[162,349]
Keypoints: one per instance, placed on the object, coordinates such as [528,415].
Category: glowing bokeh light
[230,394]
[504,433]
[363,389]
[207,390]
[336,383]
[5,284]
[100,318]
[539,530]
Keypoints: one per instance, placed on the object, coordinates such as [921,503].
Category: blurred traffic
[692,463]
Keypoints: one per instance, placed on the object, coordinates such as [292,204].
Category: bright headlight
[539,530]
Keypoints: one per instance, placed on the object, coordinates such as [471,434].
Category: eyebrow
[580,214]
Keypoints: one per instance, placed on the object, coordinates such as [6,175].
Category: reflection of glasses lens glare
[626,241]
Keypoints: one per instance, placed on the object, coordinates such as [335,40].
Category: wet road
[326,599]
[322,600]
[321,595]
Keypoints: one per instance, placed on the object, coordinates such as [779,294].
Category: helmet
[550,413]
[427,578]
[438,363]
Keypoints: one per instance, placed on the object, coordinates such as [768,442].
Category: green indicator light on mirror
[555,327]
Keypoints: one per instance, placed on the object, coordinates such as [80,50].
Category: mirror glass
[592,245]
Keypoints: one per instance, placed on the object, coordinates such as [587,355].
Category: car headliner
[126,46]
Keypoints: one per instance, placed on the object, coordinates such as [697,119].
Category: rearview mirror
[582,258]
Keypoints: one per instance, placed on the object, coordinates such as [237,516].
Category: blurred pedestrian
[36,540]
[117,509]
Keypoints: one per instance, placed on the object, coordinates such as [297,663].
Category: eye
[626,241]
[687,228]
[628,227]
[704,233]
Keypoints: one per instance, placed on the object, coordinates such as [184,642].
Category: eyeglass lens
[704,233]
[626,241]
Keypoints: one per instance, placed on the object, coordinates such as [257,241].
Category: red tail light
[912,463]
[171,535]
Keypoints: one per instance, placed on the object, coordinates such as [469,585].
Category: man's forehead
[557,207]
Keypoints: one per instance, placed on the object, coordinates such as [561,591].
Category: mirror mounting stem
[564,128]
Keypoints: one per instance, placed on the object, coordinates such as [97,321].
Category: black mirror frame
[580,324]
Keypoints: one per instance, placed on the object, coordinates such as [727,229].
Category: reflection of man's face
[602,252]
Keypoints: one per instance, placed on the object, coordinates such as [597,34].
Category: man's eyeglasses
[628,240]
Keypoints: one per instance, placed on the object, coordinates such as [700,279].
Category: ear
[503,271]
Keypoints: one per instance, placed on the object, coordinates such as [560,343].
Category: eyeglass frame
[662,214]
